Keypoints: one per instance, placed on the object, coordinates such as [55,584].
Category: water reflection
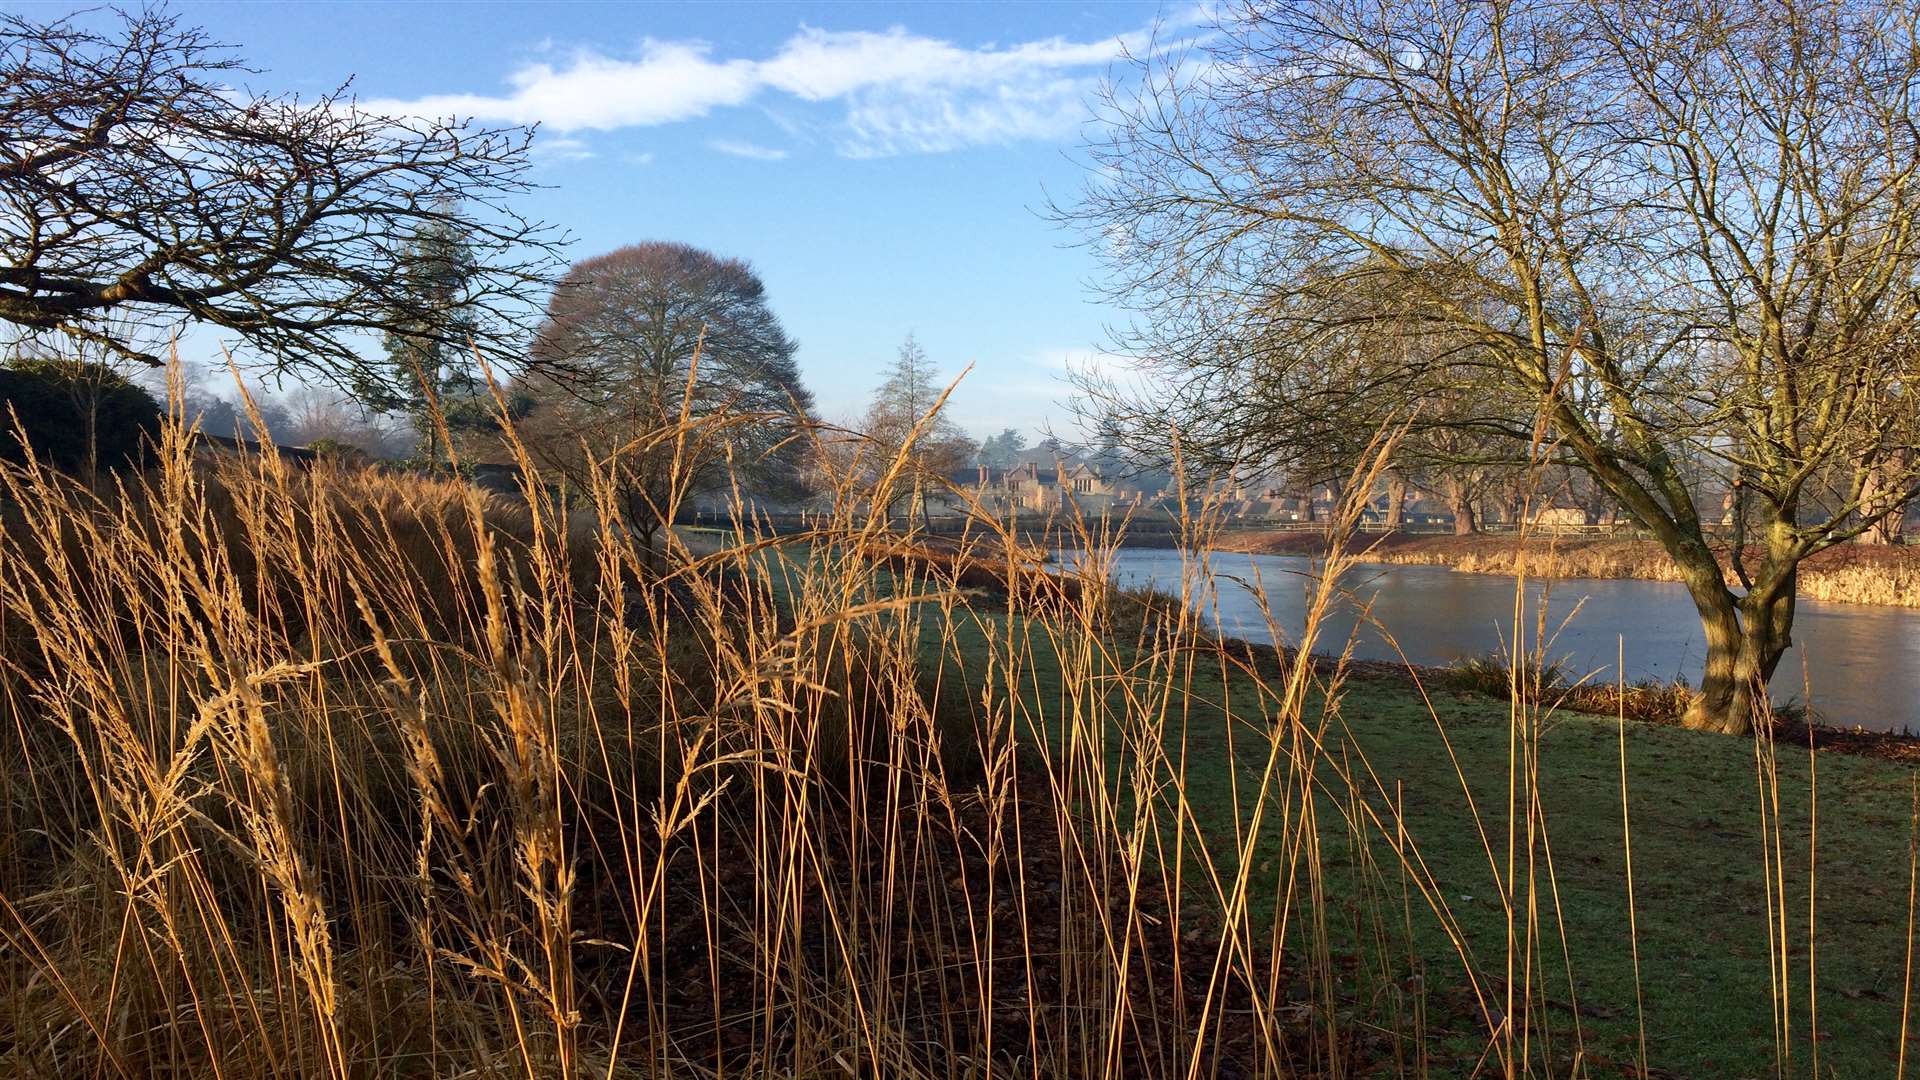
[1861,662]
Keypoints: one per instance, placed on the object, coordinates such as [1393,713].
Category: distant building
[1283,504]
[1031,487]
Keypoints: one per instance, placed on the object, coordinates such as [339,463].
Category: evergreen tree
[77,416]
[1002,450]
[429,365]
[908,394]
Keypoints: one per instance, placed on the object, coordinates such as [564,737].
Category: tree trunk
[1745,640]
[1465,520]
[1887,529]
[1873,495]
[647,529]
[645,526]
[1396,502]
[1742,653]
[92,407]
[1725,701]
[431,433]
[1891,525]
[1510,507]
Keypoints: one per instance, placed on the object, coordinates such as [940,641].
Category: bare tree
[1463,487]
[1686,233]
[681,378]
[322,415]
[1256,395]
[902,423]
[136,180]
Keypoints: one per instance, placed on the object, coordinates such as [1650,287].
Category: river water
[1861,662]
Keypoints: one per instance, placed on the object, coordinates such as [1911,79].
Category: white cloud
[744,149]
[1070,362]
[562,149]
[898,120]
[669,81]
[898,91]
[816,65]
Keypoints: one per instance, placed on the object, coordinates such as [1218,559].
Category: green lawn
[1699,863]
[1698,867]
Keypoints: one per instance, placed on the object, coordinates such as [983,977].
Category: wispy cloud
[897,91]
[562,149]
[744,149]
[1070,363]
[1049,374]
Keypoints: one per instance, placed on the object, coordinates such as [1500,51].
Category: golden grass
[1846,574]
[339,774]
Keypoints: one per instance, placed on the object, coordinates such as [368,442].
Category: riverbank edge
[972,570]
[1426,680]
[1844,574]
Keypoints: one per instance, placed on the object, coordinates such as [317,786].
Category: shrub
[1490,675]
[76,416]
[1139,613]
[1649,700]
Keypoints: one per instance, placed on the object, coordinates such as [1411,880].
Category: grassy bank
[1846,574]
[334,774]
[1470,861]
[1744,925]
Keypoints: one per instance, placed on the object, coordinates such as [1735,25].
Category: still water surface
[1862,662]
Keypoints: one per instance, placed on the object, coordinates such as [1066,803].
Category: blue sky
[881,165]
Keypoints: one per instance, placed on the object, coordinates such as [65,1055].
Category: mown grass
[1703,882]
